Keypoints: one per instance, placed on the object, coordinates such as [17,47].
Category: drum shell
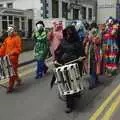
[6,69]
[68,79]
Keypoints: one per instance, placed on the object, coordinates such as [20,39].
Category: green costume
[41,45]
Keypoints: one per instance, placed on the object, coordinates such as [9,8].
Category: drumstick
[57,63]
[79,59]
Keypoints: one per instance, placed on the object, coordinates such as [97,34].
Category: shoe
[98,82]
[92,87]
[9,90]
[68,110]
[38,76]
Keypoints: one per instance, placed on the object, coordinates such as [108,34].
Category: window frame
[84,12]
[10,4]
[90,13]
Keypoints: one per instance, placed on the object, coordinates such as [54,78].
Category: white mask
[110,21]
[39,27]
[10,30]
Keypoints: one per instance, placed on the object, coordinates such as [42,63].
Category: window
[84,12]
[16,22]
[1,5]
[22,18]
[75,14]
[10,19]
[22,23]
[55,8]
[10,5]
[4,18]
[4,23]
[90,13]
[64,10]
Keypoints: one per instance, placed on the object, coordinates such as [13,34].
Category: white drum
[68,79]
[6,70]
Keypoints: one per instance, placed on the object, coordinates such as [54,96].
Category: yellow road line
[105,103]
[24,73]
[112,109]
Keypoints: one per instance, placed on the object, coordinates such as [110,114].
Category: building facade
[20,18]
[69,9]
[31,11]
[106,8]
[72,9]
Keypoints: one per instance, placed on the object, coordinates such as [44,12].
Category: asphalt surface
[34,100]
[116,115]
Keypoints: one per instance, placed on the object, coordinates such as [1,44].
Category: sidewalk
[28,57]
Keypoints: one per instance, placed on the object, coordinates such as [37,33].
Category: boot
[11,84]
[38,76]
[9,90]
[68,110]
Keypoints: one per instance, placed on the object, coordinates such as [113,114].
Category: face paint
[10,30]
[40,27]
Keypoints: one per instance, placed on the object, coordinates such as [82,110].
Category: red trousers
[15,77]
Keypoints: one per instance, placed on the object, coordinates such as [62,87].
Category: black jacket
[68,51]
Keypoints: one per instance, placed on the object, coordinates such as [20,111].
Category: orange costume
[12,47]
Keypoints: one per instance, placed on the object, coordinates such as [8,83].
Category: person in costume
[12,47]
[110,47]
[102,32]
[40,49]
[93,52]
[118,41]
[69,49]
[55,36]
[81,30]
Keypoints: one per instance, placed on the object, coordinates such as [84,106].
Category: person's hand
[56,63]
[11,53]
[82,58]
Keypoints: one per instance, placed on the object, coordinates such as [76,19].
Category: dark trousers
[94,79]
[70,101]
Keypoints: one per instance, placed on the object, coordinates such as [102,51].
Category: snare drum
[68,79]
[6,70]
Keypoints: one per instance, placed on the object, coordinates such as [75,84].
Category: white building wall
[23,4]
[30,4]
[105,9]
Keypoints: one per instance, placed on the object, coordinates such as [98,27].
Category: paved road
[36,101]
[116,115]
